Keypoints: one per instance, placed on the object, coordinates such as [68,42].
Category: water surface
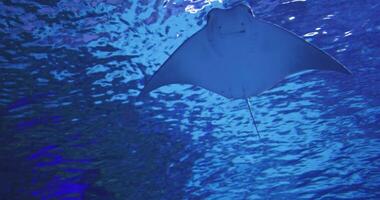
[72,127]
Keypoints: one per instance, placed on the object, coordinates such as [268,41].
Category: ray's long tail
[253,119]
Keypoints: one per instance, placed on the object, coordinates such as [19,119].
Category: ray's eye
[219,27]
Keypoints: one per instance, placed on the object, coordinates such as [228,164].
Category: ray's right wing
[304,56]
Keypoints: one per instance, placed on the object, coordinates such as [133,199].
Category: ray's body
[239,56]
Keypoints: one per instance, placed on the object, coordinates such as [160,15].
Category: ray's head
[230,21]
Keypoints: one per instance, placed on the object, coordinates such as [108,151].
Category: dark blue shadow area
[100,156]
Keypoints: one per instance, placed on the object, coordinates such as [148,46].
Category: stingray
[238,56]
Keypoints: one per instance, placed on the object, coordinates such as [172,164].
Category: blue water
[72,127]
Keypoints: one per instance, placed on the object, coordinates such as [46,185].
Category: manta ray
[238,56]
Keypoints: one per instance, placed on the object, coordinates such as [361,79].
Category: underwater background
[71,125]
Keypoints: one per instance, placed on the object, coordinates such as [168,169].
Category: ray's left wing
[190,63]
